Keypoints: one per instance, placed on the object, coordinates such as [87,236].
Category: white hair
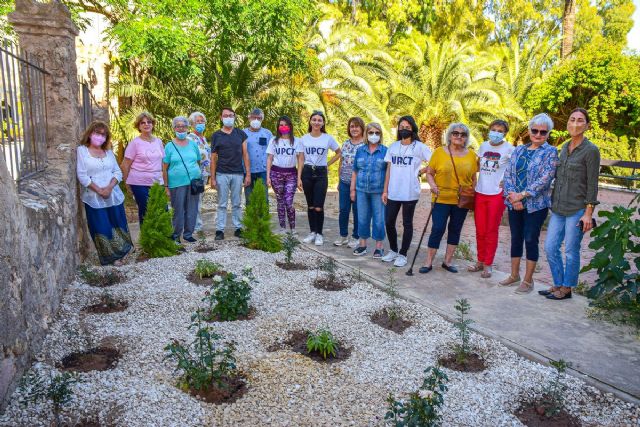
[193,116]
[179,119]
[542,119]
[452,126]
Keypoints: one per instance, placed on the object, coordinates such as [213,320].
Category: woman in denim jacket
[527,189]
[367,184]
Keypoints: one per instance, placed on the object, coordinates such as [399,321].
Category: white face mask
[228,121]
[374,139]
[255,124]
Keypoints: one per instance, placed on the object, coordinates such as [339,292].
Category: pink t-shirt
[146,157]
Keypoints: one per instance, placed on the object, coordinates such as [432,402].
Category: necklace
[406,150]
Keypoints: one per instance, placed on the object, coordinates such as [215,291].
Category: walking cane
[410,271]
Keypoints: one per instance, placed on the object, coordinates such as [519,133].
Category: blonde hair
[142,116]
[374,126]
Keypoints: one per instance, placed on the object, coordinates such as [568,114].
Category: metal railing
[23,112]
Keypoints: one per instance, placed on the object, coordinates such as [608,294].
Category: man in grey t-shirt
[228,153]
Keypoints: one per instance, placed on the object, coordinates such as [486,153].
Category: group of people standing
[376,182]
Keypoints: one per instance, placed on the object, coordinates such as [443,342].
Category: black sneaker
[238,232]
[219,235]
[360,250]
[378,253]
[190,239]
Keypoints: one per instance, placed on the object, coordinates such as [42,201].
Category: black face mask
[405,133]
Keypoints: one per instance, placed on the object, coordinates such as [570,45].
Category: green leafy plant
[421,410]
[98,278]
[463,349]
[554,393]
[156,231]
[256,233]
[329,266]
[391,289]
[206,268]
[289,245]
[205,362]
[58,390]
[229,300]
[322,341]
[463,251]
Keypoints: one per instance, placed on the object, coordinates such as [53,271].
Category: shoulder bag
[196,184]
[466,194]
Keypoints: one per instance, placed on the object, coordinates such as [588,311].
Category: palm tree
[568,23]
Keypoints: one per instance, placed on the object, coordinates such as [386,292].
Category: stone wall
[41,230]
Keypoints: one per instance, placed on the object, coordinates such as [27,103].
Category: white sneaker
[341,241]
[390,256]
[400,261]
[310,237]
[319,240]
[353,243]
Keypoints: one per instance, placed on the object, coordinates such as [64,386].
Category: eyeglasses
[146,123]
[180,127]
[539,131]
[373,133]
[457,134]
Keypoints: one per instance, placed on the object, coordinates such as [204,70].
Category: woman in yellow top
[444,192]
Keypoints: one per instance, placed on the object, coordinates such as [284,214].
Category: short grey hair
[451,128]
[193,116]
[373,125]
[257,112]
[179,119]
[542,119]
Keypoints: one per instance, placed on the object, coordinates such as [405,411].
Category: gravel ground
[285,388]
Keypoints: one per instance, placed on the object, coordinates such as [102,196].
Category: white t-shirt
[493,163]
[284,154]
[316,149]
[405,162]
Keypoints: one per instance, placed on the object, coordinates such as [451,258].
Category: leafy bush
[156,231]
[322,341]
[230,299]
[391,289]
[205,362]
[98,278]
[463,349]
[554,393]
[329,266]
[463,251]
[57,390]
[289,245]
[422,407]
[256,223]
[205,268]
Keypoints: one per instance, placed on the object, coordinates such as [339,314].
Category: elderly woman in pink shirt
[142,164]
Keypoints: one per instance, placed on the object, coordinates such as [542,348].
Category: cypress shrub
[256,233]
[156,231]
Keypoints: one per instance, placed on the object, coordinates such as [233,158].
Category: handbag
[466,194]
[196,184]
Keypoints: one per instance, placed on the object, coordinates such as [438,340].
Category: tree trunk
[354,11]
[568,28]
[431,135]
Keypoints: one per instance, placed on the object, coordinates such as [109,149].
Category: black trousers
[314,184]
[391,214]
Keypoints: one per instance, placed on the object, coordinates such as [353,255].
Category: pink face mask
[97,139]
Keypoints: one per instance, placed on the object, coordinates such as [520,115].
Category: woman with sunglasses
[452,166]
[367,183]
[527,189]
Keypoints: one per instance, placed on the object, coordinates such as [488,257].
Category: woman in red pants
[493,156]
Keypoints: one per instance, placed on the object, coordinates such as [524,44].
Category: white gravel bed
[284,388]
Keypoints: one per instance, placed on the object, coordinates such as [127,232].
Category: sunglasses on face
[373,133]
[146,123]
[455,133]
[539,131]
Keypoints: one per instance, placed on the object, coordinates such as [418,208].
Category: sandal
[548,291]
[509,281]
[475,268]
[486,273]
[560,294]
[525,287]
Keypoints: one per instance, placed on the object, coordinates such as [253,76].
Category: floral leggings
[284,182]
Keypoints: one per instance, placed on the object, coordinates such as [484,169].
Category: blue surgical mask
[199,127]
[228,121]
[181,135]
[495,137]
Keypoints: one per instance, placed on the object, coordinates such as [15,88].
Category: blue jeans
[254,177]
[525,229]
[370,207]
[564,228]
[141,196]
[229,184]
[346,205]
[441,214]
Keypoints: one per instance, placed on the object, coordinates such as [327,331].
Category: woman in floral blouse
[198,123]
[527,189]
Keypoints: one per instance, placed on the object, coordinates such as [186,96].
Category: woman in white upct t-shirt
[494,156]
[283,155]
[312,173]
[402,186]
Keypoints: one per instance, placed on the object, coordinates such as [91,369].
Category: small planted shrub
[463,251]
[322,342]
[422,407]
[390,317]
[203,245]
[330,281]
[206,268]
[100,279]
[156,231]
[58,391]
[463,358]
[107,304]
[207,366]
[229,300]
[256,223]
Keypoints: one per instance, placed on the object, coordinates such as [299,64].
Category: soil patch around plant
[106,306]
[397,325]
[103,279]
[205,281]
[233,389]
[532,414]
[297,341]
[473,363]
[294,266]
[330,285]
[203,249]
[142,257]
[251,315]
[96,359]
